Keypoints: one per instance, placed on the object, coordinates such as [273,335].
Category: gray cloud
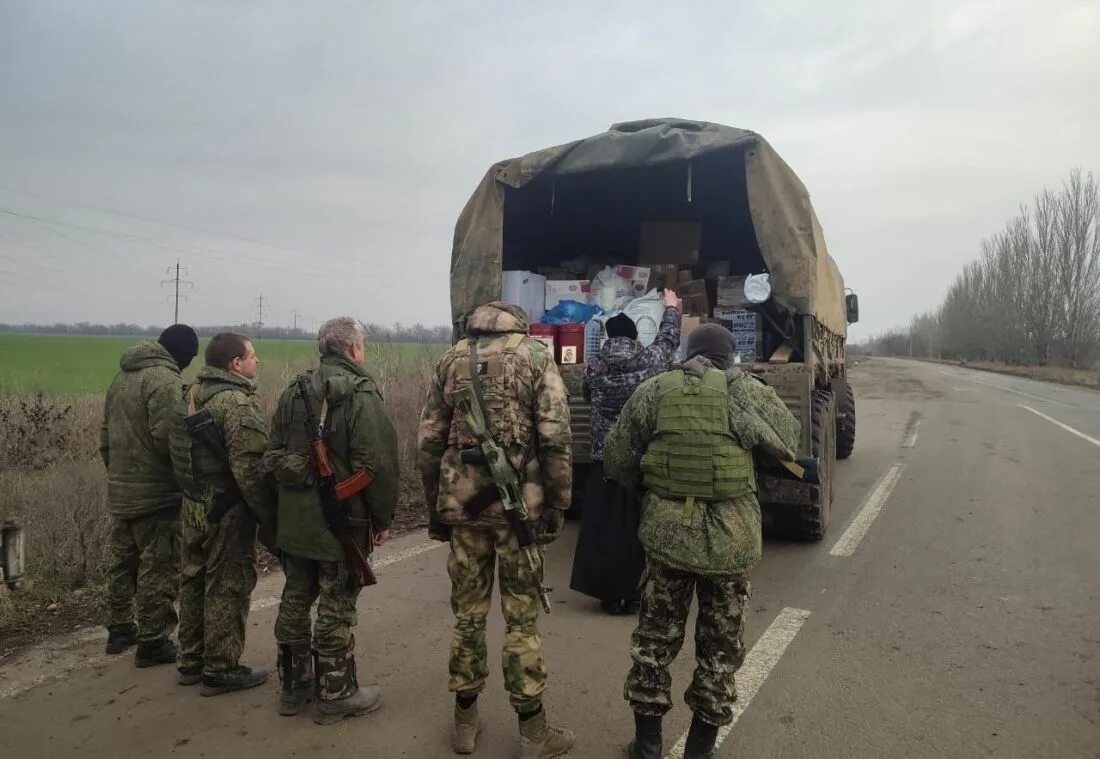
[350,136]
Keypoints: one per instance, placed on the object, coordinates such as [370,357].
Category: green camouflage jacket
[528,412]
[720,537]
[142,407]
[231,400]
[360,436]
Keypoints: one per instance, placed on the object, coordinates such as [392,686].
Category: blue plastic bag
[570,312]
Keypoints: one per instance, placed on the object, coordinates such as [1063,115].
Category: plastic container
[547,334]
[595,333]
[571,344]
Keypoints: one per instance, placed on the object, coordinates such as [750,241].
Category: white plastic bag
[610,291]
[758,288]
[646,312]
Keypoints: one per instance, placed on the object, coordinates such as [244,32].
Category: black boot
[647,738]
[238,678]
[150,653]
[121,637]
[701,739]
[295,666]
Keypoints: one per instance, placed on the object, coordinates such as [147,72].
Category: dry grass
[1060,374]
[51,476]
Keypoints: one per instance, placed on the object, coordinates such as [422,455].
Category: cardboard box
[638,276]
[696,297]
[569,289]
[526,290]
[555,273]
[669,242]
[731,292]
[748,332]
[664,275]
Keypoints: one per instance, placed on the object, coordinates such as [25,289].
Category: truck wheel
[809,520]
[846,423]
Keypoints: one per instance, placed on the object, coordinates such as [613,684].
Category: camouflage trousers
[219,574]
[475,553]
[719,643]
[325,582]
[144,573]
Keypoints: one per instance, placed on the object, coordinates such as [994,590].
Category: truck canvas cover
[804,276]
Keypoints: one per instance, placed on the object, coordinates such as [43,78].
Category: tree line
[1032,297]
[396,333]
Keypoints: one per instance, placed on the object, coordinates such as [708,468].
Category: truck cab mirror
[851,303]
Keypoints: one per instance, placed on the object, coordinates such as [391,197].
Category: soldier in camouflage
[528,414]
[219,553]
[360,436]
[142,408]
[687,437]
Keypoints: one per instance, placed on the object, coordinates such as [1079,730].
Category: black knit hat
[713,342]
[622,326]
[182,342]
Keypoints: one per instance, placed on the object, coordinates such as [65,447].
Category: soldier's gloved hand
[551,525]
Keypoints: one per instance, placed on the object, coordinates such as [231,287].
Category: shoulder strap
[475,384]
[192,394]
[515,339]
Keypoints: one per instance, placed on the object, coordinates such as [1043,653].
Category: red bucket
[571,344]
[547,334]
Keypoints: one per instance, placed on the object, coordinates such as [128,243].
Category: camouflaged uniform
[142,408]
[706,548]
[360,436]
[529,415]
[219,571]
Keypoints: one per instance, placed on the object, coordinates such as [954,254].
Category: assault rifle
[202,429]
[334,496]
[489,453]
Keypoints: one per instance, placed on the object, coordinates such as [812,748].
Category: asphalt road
[953,610]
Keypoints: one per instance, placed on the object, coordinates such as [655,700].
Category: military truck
[595,194]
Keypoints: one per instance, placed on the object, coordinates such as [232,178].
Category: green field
[73,365]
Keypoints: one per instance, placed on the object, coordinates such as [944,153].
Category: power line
[225,235]
[260,316]
[176,279]
[218,255]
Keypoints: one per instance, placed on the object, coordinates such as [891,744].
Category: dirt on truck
[698,207]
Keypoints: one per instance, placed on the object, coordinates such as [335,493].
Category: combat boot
[238,678]
[467,728]
[338,691]
[150,653]
[538,740]
[121,637]
[295,667]
[647,742]
[701,738]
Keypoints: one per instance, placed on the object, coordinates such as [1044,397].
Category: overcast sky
[319,153]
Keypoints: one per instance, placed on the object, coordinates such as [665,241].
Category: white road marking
[759,663]
[870,509]
[1066,427]
[1013,390]
[18,688]
[911,439]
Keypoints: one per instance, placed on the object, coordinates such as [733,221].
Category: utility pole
[296,315]
[175,279]
[260,316]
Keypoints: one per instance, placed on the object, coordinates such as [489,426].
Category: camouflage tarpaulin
[804,276]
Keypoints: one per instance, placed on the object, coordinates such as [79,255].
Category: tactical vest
[498,375]
[207,469]
[331,417]
[693,454]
